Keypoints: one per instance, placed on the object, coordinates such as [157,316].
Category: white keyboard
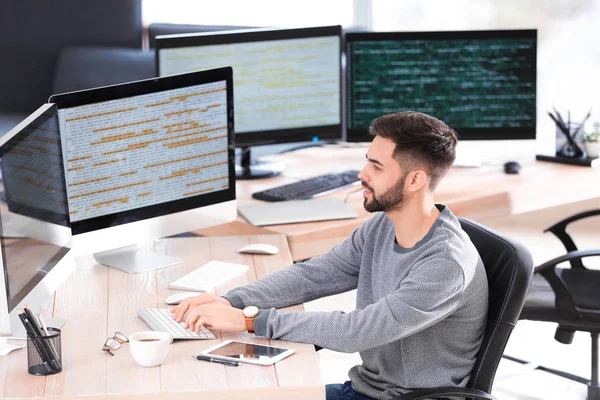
[207,277]
[161,319]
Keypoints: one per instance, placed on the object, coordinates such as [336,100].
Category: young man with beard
[422,293]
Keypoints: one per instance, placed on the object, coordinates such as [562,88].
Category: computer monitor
[35,237]
[147,159]
[287,82]
[481,83]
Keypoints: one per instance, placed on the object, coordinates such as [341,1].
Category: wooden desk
[97,301]
[476,193]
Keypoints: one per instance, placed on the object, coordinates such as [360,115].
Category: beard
[393,198]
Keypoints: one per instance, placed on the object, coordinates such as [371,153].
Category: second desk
[476,193]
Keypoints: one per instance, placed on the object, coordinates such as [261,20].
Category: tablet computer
[251,353]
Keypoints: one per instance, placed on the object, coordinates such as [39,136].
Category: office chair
[509,268]
[570,297]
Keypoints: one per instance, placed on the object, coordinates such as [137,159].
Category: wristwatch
[249,313]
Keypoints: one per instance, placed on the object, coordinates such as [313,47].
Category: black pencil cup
[44,355]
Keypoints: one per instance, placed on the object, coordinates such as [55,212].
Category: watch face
[250,311]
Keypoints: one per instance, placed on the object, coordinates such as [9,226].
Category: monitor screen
[481,83]
[143,150]
[26,262]
[32,169]
[287,81]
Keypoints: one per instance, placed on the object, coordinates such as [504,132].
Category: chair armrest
[448,391]
[578,254]
[560,231]
[564,300]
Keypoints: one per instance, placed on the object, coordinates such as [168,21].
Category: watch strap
[249,323]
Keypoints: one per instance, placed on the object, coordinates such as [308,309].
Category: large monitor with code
[148,159]
[287,81]
[481,83]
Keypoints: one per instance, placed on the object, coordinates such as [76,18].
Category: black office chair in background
[570,297]
[509,268]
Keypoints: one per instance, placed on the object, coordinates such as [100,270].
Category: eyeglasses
[114,342]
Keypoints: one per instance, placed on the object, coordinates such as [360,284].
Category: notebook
[207,277]
[293,211]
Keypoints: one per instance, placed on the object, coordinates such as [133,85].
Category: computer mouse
[512,167]
[177,298]
[259,248]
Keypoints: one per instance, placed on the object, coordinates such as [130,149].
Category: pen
[44,328]
[43,325]
[34,324]
[217,360]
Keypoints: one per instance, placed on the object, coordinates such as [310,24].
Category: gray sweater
[420,312]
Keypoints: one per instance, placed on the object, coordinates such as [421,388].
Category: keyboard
[160,319]
[310,188]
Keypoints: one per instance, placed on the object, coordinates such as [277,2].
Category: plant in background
[592,141]
[594,136]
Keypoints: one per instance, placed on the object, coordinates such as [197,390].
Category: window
[249,13]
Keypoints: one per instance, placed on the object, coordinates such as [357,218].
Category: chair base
[592,385]
[552,371]
[593,392]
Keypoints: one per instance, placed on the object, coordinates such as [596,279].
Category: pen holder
[44,356]
[573,148]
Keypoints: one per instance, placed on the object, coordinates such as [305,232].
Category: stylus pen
[217,360]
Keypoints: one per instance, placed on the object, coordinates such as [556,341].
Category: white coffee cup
[150,348]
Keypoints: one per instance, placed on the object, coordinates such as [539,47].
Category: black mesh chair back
[509,268]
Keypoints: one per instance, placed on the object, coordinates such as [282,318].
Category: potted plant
[592,142]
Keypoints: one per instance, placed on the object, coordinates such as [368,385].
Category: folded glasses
[114,342]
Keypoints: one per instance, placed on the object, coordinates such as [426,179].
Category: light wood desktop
[477,193]
[96,301]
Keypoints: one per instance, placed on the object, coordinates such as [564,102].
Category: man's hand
[215,315]
[204,298]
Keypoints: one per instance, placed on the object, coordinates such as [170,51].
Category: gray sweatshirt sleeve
[333,272]
[430,292]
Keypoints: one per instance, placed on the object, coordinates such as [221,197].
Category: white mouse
[177,298]
[259,248]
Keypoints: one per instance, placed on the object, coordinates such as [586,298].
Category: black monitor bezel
[362,135]
[276,136]
[153,85]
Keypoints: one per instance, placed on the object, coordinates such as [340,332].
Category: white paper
[207,277]
[8,348]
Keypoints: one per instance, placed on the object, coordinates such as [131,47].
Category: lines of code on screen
[483,83]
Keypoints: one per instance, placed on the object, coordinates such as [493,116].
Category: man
[422,289]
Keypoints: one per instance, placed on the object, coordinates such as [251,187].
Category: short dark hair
[421,141]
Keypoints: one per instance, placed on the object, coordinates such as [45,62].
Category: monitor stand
[133,260]
[256,171]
